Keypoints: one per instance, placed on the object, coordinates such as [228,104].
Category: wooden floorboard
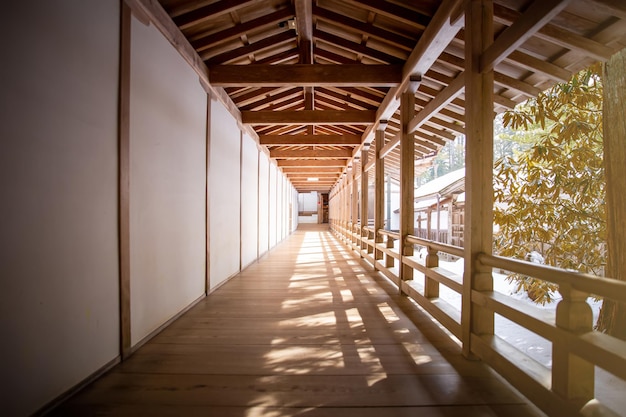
[309,330]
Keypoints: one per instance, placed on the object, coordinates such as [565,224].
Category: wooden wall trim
[207,210]
[124,179]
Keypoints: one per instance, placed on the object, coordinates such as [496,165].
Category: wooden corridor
[308,330]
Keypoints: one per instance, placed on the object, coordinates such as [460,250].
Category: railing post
[431,286]
[572,377]
[389,260]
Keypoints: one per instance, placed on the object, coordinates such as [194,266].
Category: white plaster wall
[294,204]
[264,176]
[224,191]
[249,200]
[273,207]
[167,182]
[58,178]
[307,201]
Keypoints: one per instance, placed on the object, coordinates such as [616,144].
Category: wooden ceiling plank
[206,41]
[454,127]
[556,35]
[345,97]
[440,136]
[357,48]
[304,75]
[308,117]
[311,153]
[515,84]
[265,100]
[537,15]
[442,99]
[309,140]
[432,43]
[396,12]
[312,170]
[304,163]
[531,63]
[615,7]
[270,42]
[358,26]
[209,11]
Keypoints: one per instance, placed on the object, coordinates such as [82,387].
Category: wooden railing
[565,388]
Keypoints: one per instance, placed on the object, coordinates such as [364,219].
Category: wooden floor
[307,331]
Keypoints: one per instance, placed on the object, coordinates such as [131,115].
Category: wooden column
[478,169]
[355,204]
[613,315]
[364,196]
[407,175]
[379,188]
[124,180]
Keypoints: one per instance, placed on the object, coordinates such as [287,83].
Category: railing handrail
[389,233]
[591,284]
[444,247]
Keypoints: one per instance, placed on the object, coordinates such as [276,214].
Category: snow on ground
[609,389]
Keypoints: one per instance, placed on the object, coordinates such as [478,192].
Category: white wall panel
[224,191]
[273,207]
[264,178]
[249,200]
[58,175]
[167,185]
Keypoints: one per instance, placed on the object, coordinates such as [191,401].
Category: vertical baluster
[431,286]
[572,377]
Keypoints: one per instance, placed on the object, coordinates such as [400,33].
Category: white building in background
[307,207]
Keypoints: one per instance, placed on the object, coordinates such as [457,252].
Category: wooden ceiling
[313,79]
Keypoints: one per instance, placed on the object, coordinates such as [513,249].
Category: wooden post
[355,206]
[364,197]
[124,180]
[431,286]
[479,86]
[572,377]
[613,313]
[389,260]
[379,188]
[407,175]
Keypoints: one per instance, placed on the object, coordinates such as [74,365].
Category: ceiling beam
[253,48]
[314,117]
[311,153]
[538,65]
[358,48]
[436,37]
[440,101]
[202,14]
[306,75]
[304,28]
[312,170]
[537,15]
[239,29]
[557,35]
[304,163]
[309,140]
[357,26]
